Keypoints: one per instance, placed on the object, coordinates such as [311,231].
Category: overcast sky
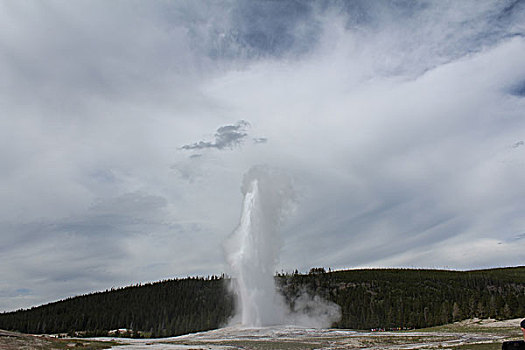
[126,128]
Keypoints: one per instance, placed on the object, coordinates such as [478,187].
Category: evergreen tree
[384,298]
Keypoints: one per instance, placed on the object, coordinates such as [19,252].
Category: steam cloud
[252,252]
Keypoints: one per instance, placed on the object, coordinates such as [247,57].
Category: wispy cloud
[260,140]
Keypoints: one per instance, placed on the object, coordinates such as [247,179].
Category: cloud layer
[401,123]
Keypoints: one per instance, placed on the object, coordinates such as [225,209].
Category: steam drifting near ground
[252,251]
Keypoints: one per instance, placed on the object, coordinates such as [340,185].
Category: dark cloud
[227,136]
[275,28]
[518,89]
[295,28]
[518,144]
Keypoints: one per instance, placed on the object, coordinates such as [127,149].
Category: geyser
[252,251]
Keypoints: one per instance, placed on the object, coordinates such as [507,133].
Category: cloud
[117,242]
[518,89]
[395,120]
[227,136]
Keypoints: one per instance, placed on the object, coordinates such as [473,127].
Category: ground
[14,340]
[470,334]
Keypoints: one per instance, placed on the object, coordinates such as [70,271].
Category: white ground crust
[226,338]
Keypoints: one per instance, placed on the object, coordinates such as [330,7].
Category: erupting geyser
[252,252]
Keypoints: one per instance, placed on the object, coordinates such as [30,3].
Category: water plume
[252,251]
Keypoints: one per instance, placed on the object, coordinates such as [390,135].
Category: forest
[369,299]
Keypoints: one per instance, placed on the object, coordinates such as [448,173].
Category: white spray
[252,252]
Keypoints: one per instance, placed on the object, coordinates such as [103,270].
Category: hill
[407,298]
[370,298]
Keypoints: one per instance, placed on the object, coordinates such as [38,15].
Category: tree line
[161,309]
[407,298]
[369,298]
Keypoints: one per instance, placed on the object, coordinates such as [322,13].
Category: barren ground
[470,334]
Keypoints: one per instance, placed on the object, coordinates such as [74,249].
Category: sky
[126,128]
